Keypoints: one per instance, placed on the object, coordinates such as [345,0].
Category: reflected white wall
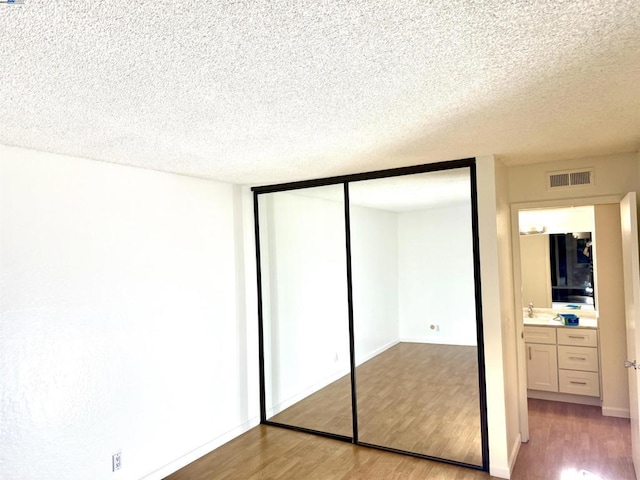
[436,281]
[374,259]
[305,306]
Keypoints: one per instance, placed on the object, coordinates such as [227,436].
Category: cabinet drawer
[582,337]
[579,383]
[540,335]
[578,358]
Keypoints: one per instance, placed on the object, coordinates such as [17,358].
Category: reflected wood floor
[565,438]
[416,397]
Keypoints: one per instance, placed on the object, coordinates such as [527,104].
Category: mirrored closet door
[369,309]
[414,314]
[305,323]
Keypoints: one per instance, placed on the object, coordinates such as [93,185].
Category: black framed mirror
[414,311]
[305,310]
[370,312]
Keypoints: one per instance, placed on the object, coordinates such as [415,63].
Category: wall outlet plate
[116,461]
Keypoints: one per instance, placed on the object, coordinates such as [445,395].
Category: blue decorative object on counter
[570,319]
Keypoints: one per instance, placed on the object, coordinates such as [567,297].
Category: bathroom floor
[574,442]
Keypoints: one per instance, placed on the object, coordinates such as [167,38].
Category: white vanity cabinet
[542,358]
[563,359]
[578,364]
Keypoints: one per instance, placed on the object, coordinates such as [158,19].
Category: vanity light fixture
[534,230]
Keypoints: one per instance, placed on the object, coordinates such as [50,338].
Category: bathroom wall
[121,319]
[615,388]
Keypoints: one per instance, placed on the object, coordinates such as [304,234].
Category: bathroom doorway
[558,360]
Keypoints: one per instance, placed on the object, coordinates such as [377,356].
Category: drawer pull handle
[578,383]
[529,353]
[577,358]
[577,336]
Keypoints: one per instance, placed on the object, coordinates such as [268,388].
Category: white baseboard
[377,352]
[505,471]
[201,451]
[438,341]
[616,412]
[499,472]
[515,449]
[565,397]
[283,405]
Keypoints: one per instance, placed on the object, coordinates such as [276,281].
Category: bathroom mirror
[557,257]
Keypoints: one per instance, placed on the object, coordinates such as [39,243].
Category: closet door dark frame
[345,180]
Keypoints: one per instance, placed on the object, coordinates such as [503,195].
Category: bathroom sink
[542,319]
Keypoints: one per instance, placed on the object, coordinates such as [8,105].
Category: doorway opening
[568,271]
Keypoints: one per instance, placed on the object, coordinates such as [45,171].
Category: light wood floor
[564,437]
[416,397]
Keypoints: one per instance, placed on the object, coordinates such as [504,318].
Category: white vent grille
[570,178]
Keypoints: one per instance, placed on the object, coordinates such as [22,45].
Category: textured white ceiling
[253,91]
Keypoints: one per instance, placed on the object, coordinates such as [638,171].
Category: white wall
[612,174]
[558,220]
[498,343]
[436,277]
[509,327]
[374,259]
[611,308]
[120,326]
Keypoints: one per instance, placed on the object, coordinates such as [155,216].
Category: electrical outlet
[434,327]
[116,461]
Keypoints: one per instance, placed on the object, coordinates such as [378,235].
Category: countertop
[545,322]
[543,317]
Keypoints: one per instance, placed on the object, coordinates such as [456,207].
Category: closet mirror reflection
[369,312]
[415,314]
[305,311]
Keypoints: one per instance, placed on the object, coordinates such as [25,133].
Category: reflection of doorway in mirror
[572,279]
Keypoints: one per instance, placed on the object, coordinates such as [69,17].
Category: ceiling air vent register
[570,179]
